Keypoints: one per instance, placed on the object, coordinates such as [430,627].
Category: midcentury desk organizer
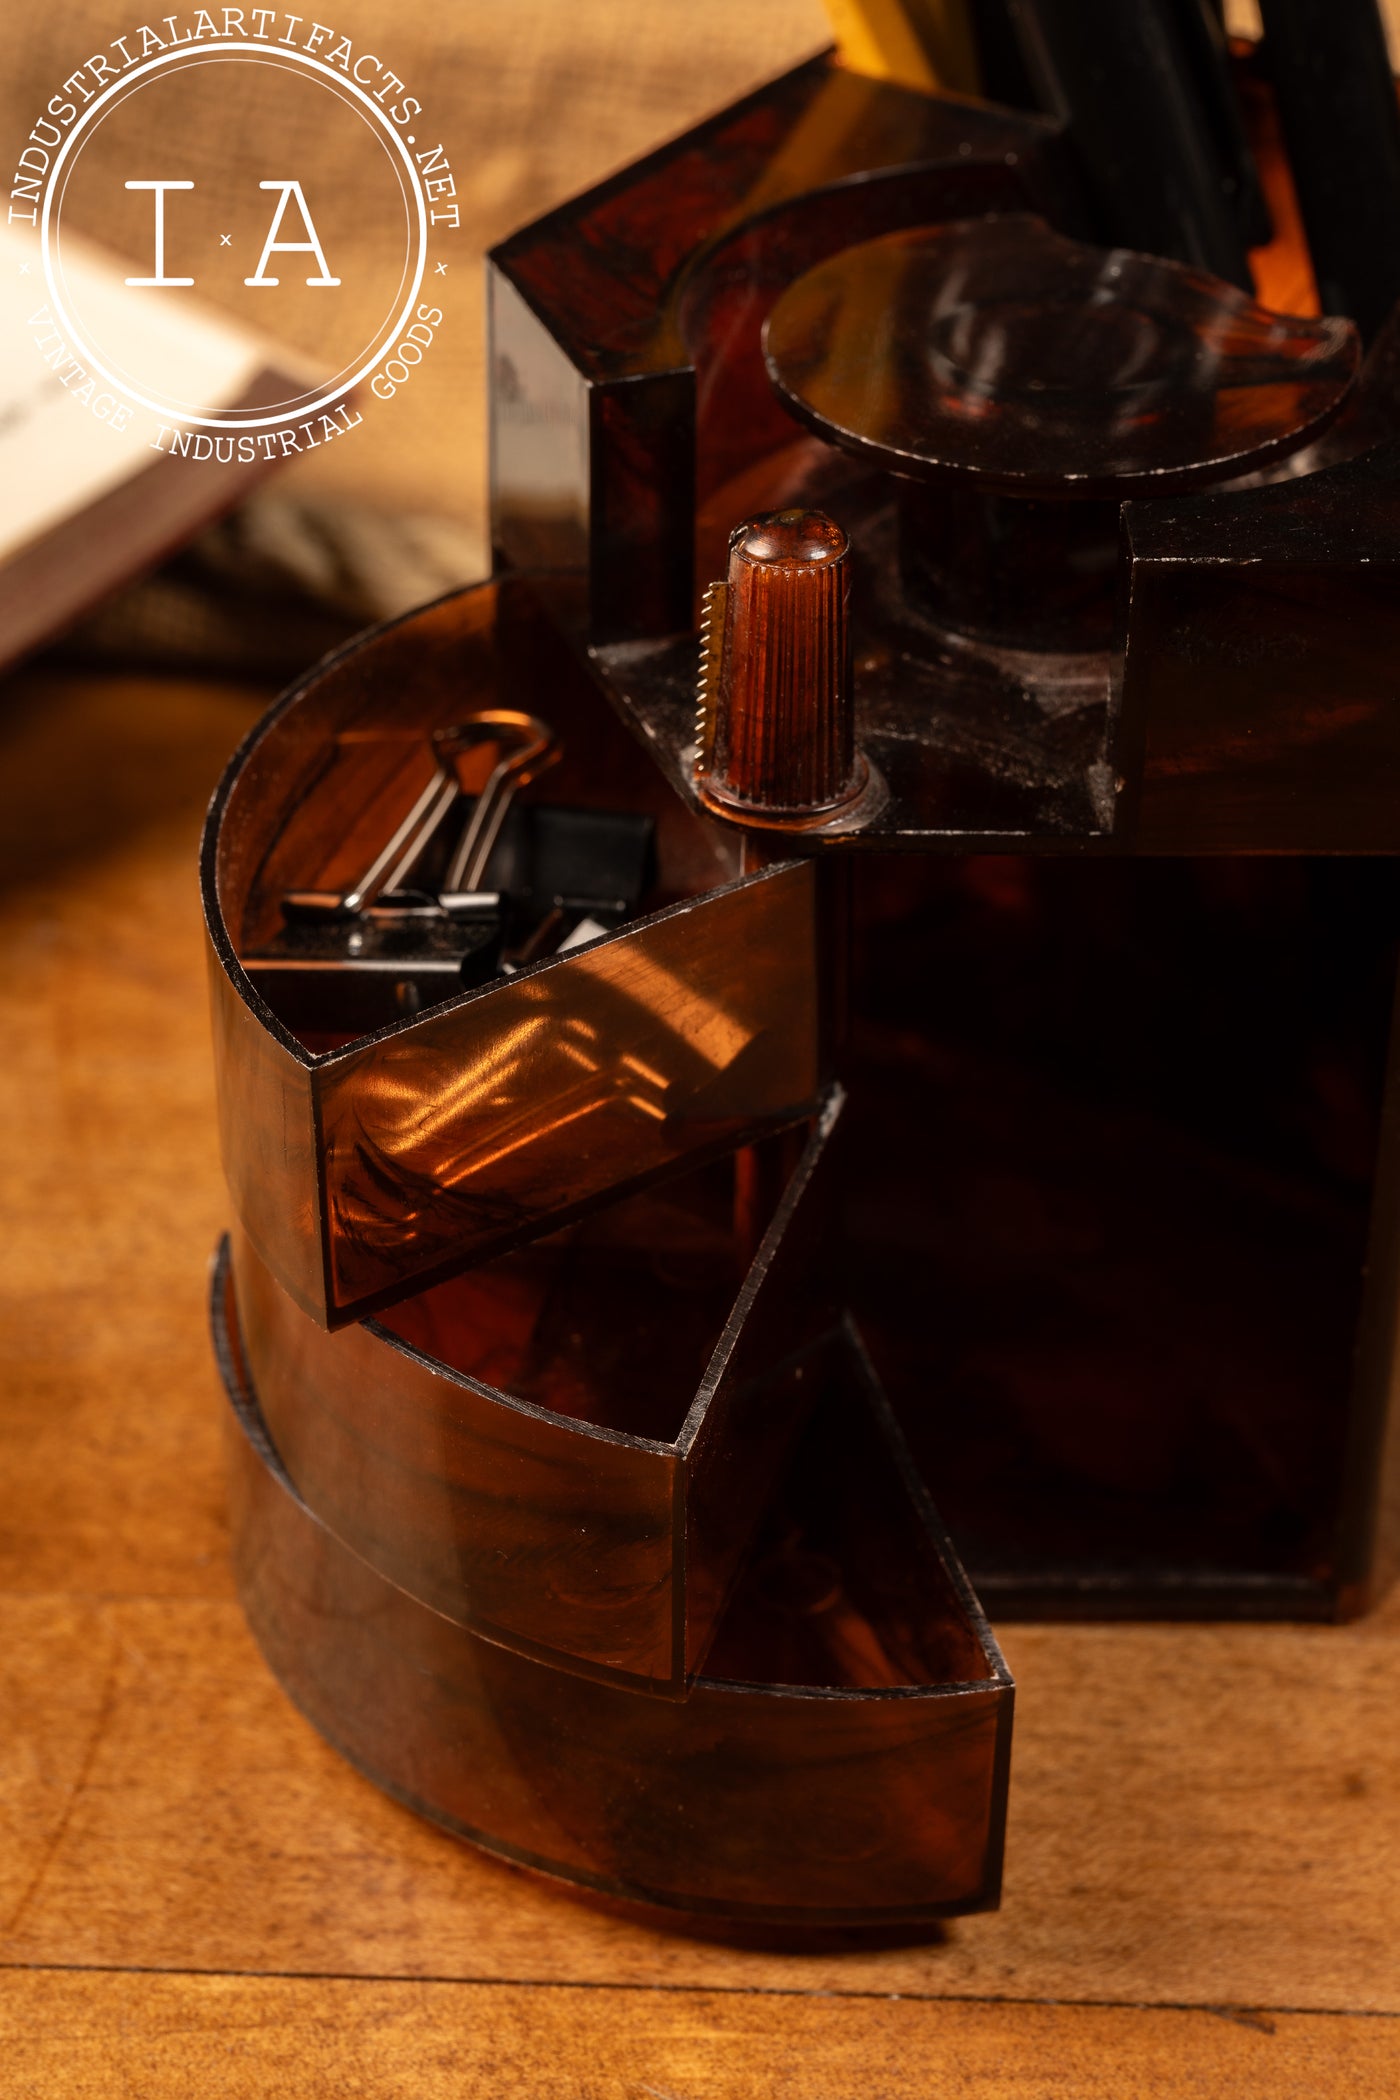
[863,957]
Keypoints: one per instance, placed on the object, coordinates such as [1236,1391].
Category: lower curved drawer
[843,1762]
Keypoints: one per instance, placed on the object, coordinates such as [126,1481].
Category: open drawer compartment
[566,1449]
[843,1761]
[363,1166]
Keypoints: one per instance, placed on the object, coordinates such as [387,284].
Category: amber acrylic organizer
[860,961]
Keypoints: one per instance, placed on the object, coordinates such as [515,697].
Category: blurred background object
[356,532]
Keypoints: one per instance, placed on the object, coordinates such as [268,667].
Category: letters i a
[271,246]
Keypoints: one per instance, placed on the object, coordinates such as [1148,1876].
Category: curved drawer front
[363,1169]
[844,1762]
[566,1449]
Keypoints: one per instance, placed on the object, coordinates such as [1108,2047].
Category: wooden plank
[1224,1829]
[109,1171]
[227,2037]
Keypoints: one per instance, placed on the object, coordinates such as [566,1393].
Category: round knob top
[788,539]
[997,353]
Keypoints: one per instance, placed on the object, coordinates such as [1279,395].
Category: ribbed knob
[778,732]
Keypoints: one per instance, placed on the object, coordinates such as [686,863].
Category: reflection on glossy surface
[849,1767]
[610,1321]
[360,1170]
[997,352]
[1146,94]
[566,1448]
[605,278]
[588,1074]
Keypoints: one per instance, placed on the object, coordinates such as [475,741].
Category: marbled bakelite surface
[996,352]
[361,1168]
[566,1449]
[843,1760]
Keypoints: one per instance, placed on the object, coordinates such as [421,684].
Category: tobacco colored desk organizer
[891,889]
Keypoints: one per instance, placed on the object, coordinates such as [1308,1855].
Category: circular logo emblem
[320,251]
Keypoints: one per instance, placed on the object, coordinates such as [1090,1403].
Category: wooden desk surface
[198,1897]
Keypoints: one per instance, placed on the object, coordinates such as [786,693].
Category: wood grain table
[197,1897]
